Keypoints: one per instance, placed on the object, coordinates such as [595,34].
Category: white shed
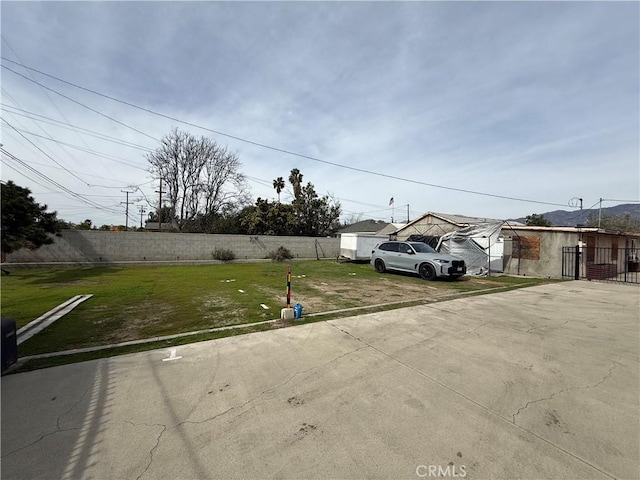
[358,246]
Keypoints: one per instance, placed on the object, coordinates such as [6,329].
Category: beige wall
[549,261]
[96,246]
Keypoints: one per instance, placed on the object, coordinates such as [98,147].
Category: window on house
[614,249]
[526,247]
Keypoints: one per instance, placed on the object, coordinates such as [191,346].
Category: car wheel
[379,266]
[427,271]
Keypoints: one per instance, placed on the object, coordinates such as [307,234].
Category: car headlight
[440,260]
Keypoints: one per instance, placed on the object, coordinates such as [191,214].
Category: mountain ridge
[564,218]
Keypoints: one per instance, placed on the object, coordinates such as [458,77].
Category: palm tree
[295,177]
[278,184]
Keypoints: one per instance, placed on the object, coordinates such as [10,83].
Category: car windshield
[422,247]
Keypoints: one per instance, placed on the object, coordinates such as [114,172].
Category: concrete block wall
[89,246]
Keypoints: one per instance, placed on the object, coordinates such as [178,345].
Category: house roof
[536,228]
[372,226]
[455,219]
[390,228]
[461,220]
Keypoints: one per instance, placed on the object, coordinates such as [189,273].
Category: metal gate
[603,264]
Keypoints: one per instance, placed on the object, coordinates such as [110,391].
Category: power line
[45,153]
[46,95]
[37,125]
[581,212]
[281,150]
[621,201]
[69,126]
[92,152]
[29,177]
[58,185]
[124,184]
[77,102]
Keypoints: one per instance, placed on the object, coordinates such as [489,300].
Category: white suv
[416,257]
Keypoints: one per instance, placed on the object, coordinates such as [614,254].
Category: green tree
[267,218]
[64,225]
[25,223]
[279,184]
[225,221]
[622,223]
[537,220]
[167,214]
[85,225]
[308,214]
[317,216]
[295,178]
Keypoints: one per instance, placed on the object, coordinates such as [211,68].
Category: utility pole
[407,213]
[574,203]
[127,203]
[142,211]
[599,214]
[160,207]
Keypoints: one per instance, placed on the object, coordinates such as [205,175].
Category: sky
[485,109]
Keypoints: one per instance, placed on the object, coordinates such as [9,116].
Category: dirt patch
[220,310]
[215,310]
[333,295]
[484,282]
[137,318]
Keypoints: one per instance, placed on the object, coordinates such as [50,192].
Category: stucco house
[542,251]
[550,252]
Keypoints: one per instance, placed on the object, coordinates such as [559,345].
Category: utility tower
[142,211]
[127,203]
[160,207]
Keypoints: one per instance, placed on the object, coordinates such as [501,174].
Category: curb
[246,325]
[29,330]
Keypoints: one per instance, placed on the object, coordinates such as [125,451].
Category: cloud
[504,98]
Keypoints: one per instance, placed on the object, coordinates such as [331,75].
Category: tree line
[204,191]
[621,223]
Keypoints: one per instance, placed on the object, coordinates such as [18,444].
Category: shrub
[280,255]
[223,254]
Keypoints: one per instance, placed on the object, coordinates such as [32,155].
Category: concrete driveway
[539,383]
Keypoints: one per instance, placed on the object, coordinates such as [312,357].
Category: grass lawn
[132,303]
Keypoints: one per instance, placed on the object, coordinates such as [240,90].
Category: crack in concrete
[484,407]
[236,407]
[164,429]
[473,330]
[270,389]
[564,390]
[547,325]
[58,429]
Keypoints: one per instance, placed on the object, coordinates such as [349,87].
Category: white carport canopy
[472,244]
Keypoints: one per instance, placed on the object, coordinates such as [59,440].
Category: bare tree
[200,176]
[352,218]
